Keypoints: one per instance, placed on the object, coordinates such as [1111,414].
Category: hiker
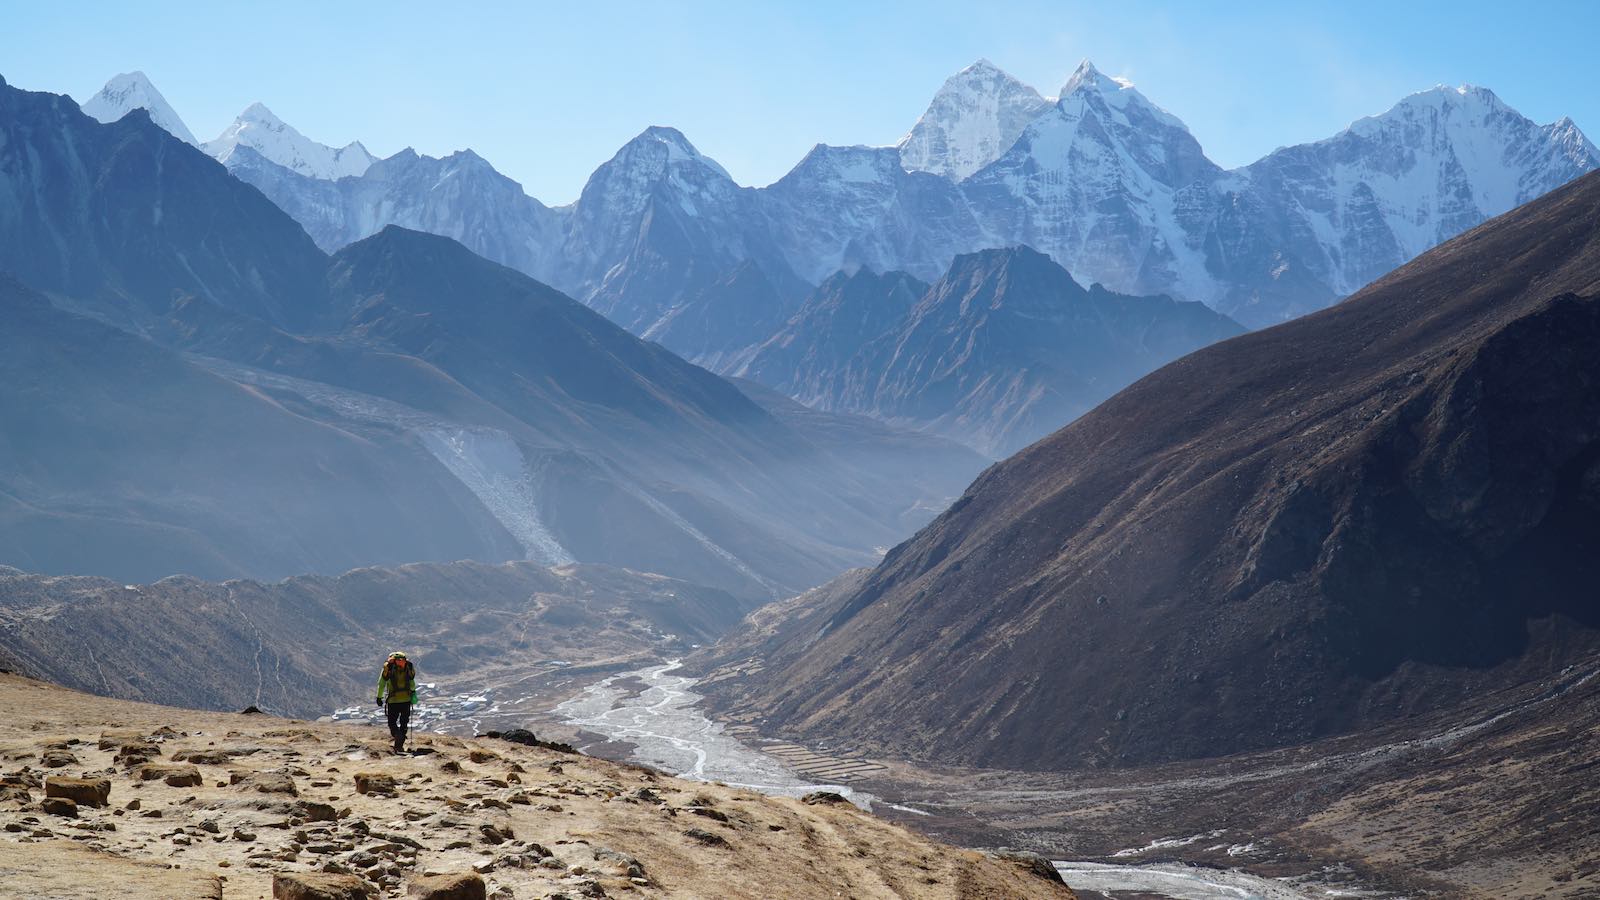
[397,684]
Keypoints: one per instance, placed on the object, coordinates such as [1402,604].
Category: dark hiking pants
[399,719]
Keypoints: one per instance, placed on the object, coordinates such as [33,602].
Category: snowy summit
[130,91]
[277,141]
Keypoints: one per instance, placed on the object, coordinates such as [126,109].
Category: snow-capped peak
[678,148]
[130,91]
[976,115]
[262,131]
[1118,93]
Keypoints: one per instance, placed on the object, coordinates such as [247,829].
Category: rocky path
[102,797]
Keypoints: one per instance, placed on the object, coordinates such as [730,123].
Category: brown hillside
[232,802]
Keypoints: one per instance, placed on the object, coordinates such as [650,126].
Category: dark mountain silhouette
[1372,511]
[124,218]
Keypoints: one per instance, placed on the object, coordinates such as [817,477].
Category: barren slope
[275,796]
[1368,513]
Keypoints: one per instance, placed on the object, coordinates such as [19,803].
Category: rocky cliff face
[1003,349]
[1366,513]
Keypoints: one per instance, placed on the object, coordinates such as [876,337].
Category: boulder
[458,886]
[816,797]
[83,791]
[305,886]
[55,759]
[375,783]
[174,774]
[59,806]
[520,736]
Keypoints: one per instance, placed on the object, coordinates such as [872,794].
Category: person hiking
[397,691]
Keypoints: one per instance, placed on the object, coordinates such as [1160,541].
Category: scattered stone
[618,863]
[706,837]
[203,757]
[252,710]
[481,756]
[816,797]
[460,886]
[136,753]
[242,836]
[111,740]
[55,759]
[83,791]
[316,812]
[211,826]
[1031,862]
[15,793]
[493,835]
[320,887]
[59,806]
[714,815]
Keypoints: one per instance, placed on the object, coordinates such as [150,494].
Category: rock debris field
[101,797]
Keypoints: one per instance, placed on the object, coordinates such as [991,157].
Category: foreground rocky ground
[105,797]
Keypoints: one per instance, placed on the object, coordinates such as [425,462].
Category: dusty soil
[279,796]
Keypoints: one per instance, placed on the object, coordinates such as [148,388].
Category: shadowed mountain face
[403,400]
[121,457]
[1371,511]
[124,218]
[1003,349]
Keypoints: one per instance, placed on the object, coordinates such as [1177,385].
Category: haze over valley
[1031,507]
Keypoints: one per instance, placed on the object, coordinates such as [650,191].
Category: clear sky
[548,91]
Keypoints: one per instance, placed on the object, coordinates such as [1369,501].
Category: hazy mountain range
[439,405]
[1110,186]
[1102,180]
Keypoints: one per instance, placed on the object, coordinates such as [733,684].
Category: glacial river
[669,732]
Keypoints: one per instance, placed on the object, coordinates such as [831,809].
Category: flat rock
[59,806]
[319,887]
[459,886]
[173,774]
[82,791]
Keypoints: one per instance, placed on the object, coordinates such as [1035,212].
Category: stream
[668,732]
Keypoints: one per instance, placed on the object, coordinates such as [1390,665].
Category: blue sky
[547,92]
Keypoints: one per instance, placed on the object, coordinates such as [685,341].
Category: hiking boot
[399,743]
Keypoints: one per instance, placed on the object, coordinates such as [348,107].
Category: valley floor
[1495,800]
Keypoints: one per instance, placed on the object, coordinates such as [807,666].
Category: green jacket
[401,688]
